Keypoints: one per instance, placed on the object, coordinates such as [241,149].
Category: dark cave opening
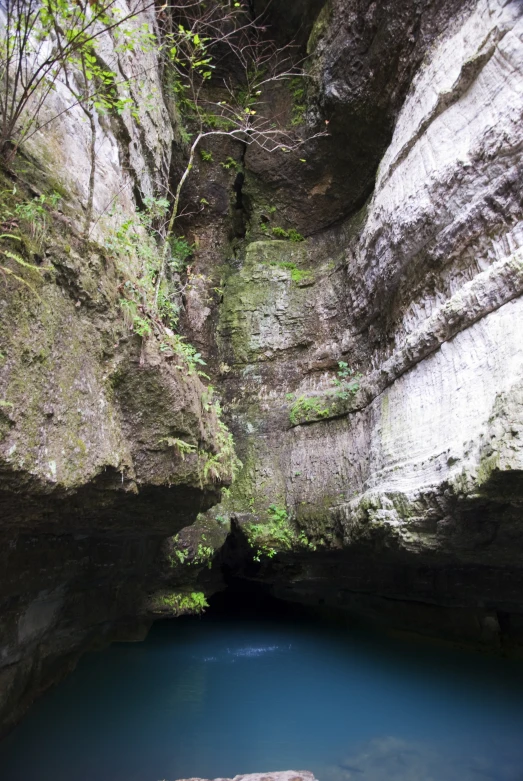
[242,587]
[247,599]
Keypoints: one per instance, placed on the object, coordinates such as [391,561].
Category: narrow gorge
[310,389]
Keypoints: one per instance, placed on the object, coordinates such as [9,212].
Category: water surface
[230,695]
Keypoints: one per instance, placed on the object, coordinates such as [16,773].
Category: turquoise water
[228,695]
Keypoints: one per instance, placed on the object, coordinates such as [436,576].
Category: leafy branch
[41,40]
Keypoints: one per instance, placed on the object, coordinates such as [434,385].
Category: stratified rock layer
[403,479]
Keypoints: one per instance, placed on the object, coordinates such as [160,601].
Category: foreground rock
[282,775]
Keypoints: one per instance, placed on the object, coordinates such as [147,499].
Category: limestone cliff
[374,371]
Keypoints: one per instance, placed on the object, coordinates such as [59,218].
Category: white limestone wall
[429,424]
[438,266]
[445,205]
[444,221]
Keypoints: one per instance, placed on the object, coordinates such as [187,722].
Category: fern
[181,446]
[6,271]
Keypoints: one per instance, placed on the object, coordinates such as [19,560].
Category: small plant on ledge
[180,603]
[308,408]
[346,382]
[291,234]
[267,537]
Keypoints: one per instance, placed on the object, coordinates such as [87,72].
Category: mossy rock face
[65,425]
[91,477]
[320,26]
[90,480]
[88,409]
[276,506]
[267,304]
[277,306]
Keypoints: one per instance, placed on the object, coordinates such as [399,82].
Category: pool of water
[228,695]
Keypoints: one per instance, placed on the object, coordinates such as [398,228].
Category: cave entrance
[247,599]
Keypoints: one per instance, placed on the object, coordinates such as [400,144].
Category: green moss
[51,353]
[315,517]
[57,350]
[319,27]
[291,234]
[487,467]
[305,409]
[298,275]
[81,446]
[244,293]
[250,295]
[298,90]
[332,403]
[240,497]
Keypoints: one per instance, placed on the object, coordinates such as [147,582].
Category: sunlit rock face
[133,147]
[410,487]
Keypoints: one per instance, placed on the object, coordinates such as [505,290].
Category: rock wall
[401,483]
[92,484]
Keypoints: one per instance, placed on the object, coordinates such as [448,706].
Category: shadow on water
[259,685]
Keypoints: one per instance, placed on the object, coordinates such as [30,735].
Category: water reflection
[253,652]
[189,688]
[393,759]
